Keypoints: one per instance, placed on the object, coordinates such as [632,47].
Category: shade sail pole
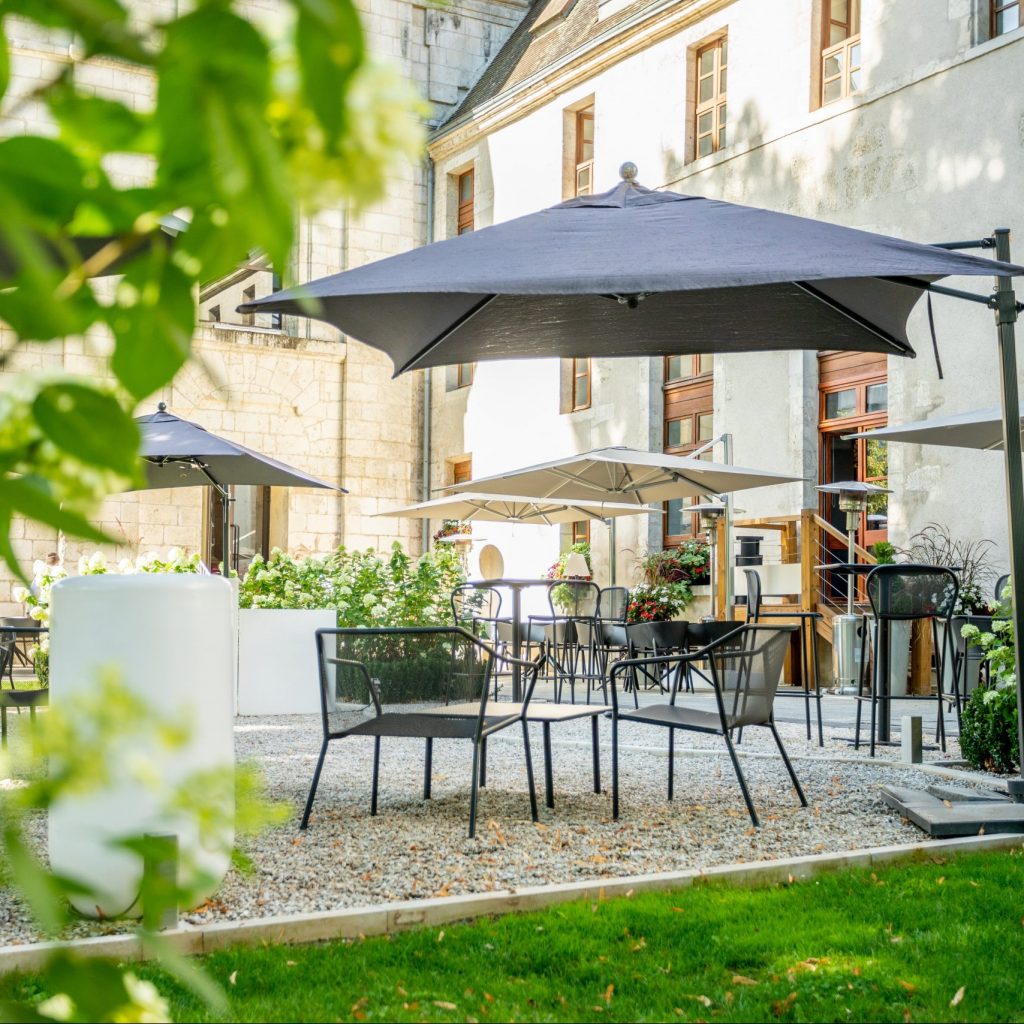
[727,553]
[1006,316]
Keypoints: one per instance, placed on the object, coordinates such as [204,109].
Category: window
[248,295]
[682,367]
[249,526]
[581,532]
[712,72]
[580,384]
[462,470]
[1005,17]
[459,375]
[840,49]
[584,151]
[466,193]
[215,314]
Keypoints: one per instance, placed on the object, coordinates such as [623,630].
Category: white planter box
[277,664]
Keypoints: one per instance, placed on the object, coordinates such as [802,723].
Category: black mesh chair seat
[745,667]
[367,677]
[905,593]
[16,699]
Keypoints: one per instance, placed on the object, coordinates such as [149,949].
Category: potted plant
[988,731]
[563,597]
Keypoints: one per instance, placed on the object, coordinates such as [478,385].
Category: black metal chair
[904,593]
[22,641]
[612,604]
[745,670]
[368,675]
[650,640]
[474,605]
[572,637]
[12,698]
[808,647]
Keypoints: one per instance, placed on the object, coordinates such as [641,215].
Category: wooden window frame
[717,103]
[580,531]
[686,398]
[581,370]
[465,217]
[583,116]
[462,469]
[695,371]
[843,50]
[997,7]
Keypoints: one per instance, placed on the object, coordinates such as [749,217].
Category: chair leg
[742,781]
[483,763]
[788,764]
[529,771]
[875,677]
[312,788]
[596,753]
[806,673]
[376,775]
[817,679]
[474,789]
[549,782]
[671,761]
[428,766]
[615,767]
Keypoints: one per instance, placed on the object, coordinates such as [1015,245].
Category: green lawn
[898,944]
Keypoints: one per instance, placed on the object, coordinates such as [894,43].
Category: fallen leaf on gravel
[958,998]
[742,979]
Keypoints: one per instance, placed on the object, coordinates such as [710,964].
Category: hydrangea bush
[365,588]
[988,731]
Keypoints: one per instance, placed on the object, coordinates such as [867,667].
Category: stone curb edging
[385,918]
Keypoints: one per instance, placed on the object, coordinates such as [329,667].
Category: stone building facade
[900,118]
[292,389]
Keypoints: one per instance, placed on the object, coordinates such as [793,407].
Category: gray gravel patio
[413,849]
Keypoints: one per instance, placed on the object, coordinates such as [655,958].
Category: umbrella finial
[629,171]
[162,407]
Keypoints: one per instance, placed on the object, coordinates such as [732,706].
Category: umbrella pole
[727,541]
[1006,316]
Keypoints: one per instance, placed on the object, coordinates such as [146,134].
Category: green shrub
[988,732]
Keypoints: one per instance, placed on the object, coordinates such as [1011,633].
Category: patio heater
[710,512]
[846,629]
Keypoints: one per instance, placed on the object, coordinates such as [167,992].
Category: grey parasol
[980,428]
[512,508]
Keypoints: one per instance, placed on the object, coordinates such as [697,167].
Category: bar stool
[903,593]
[808,646]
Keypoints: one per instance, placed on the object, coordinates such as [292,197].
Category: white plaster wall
[931,149]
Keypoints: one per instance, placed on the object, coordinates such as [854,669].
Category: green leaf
[154,332]
[329,40]
[101,24]
[89,424]
[187,974]
[31,496]
[40,890]
[7,549]
[5,62]
[44,174]
[95,986]
[99,125]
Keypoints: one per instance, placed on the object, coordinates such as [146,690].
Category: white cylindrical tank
[168,637]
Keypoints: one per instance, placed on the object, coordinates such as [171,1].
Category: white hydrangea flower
[98,560]
[59,1007]
[150,1006]
[39,568]
[174,554]
[19,595]
[125,567]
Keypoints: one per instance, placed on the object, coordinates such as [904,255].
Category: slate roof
[525,53]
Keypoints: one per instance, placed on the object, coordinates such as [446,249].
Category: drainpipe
[428,168]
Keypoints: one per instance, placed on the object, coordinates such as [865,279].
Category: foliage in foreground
[248,124]
[364,588]
[930,941]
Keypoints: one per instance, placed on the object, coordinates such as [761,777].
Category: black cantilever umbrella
[631,272]
[179,453]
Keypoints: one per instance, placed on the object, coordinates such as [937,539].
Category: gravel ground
[415,849]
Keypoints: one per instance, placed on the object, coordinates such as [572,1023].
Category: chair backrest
[1001,586]
[574,597]
[7,641]
[912,591]
[746,669]
[700,634]
[753,594]
[612,604]
[471,602]
[364,671]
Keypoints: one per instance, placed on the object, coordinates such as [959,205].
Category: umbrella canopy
[507,508]
[632,272]
[628,474]
[981,428]
[179,453]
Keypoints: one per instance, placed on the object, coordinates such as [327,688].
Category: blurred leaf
[99,125]
[5,62]
[329,39]
[89,424]
[184,971]
[44,174]
[31,497]
[101,24]
[154,332]
[40,890]
[7,550]
[95,986]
